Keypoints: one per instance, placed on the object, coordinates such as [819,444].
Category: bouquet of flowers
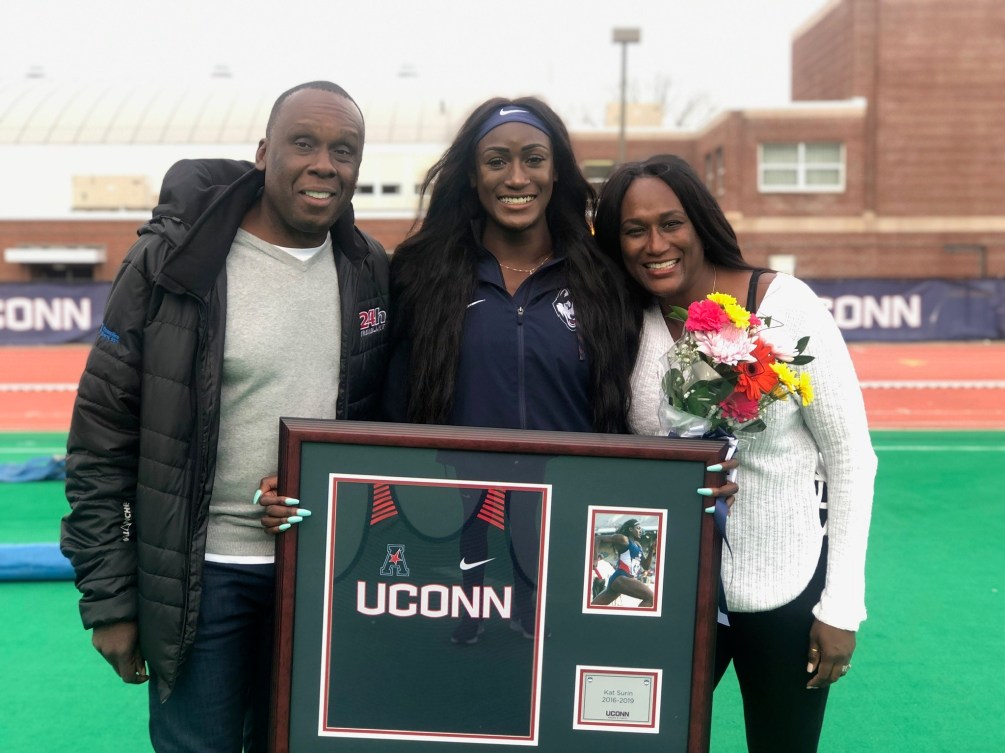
[727,368]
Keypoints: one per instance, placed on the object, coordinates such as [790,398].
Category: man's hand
[119,644]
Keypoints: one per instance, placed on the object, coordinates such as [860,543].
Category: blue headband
[511,114]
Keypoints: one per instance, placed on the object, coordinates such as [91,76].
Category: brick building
[890,163]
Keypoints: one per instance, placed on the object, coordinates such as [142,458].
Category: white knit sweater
[774,526]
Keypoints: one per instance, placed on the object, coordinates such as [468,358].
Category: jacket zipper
[521,355]
[200,460]
[345,337]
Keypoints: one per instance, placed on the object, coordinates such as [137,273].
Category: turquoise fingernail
[294,519]
[258,496]
[714,468]
[284,526]
[705,491]
[710,510]
[291,501]
[303,513]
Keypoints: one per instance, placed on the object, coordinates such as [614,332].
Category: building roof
[216,110]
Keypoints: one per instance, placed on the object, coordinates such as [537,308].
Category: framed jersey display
[507,589]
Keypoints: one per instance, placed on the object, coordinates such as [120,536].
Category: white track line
[955,384]
[39,387]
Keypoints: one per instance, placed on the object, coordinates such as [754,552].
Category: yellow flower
[785,375]
[738,315]
[805,388]
[722,299]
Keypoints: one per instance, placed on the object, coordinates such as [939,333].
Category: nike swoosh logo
[509,111]
[475,303]
[470,565]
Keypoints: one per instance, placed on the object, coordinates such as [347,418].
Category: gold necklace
[530,271]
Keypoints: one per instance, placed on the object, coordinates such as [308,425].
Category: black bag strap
[752,289]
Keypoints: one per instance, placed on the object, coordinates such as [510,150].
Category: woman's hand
[729,489]
[829,655]
[280,513]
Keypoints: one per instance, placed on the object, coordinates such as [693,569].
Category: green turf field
[928,676]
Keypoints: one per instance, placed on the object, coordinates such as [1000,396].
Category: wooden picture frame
[439,594]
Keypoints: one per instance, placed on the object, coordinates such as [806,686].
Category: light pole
[624,37]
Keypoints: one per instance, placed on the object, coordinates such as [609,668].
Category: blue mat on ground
[33,562]
[45,468]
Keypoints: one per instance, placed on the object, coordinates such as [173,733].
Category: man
[242,301]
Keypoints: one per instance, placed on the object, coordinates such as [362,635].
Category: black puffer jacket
[142,444]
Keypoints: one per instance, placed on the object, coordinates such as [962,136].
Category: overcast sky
[734,53]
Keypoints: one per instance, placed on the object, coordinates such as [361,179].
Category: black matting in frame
[439,596]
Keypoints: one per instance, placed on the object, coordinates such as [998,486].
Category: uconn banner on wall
[865,310]
[51,313]
[904,310]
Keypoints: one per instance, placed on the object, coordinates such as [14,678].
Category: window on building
[715,171]
[391,188]
[802,166]
[365,188]
[61,272]
[45,263]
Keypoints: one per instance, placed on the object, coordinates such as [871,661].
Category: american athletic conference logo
[372,321]
[394,562]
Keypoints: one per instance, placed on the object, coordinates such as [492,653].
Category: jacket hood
[191,186]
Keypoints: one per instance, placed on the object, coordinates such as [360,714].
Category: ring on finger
[844,669]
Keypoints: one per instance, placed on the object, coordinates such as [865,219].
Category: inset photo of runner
[624,565]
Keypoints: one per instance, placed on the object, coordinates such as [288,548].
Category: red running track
[906,385]
[933,385]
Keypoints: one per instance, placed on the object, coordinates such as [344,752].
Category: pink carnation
[740,407]
[705,316]
[729,345]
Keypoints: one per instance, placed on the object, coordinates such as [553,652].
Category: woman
[795,598]
[626,579]
[510,315]
[506,314]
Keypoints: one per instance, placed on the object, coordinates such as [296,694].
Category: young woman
[795,595]
[626,579]
[507,314]
[511,316]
